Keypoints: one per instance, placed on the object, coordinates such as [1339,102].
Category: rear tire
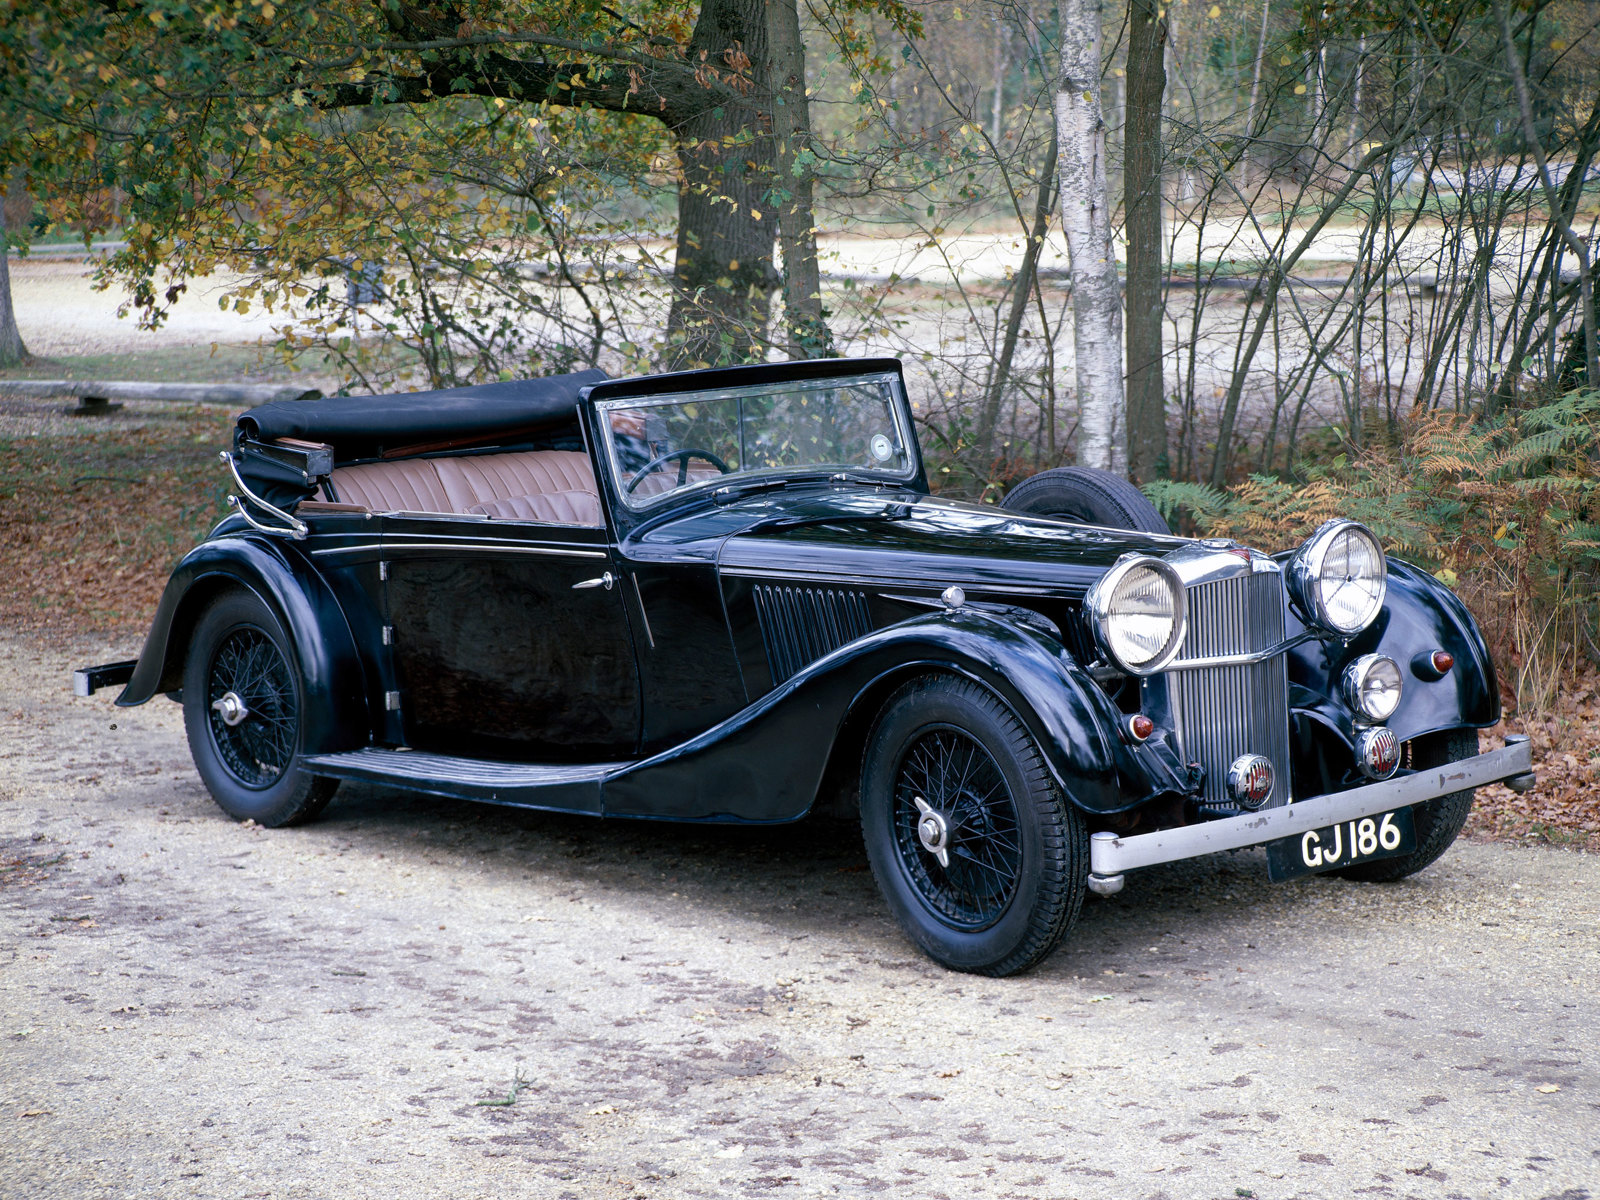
[250,763]
[1088,496]
[1016,853]
[1438,820]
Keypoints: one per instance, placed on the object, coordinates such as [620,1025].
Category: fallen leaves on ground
[91,525]
[1564,806]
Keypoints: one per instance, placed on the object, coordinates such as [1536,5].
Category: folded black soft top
[367,426]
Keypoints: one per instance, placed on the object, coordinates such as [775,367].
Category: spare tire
[1089,496]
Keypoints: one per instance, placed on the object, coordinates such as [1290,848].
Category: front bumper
[1111,855]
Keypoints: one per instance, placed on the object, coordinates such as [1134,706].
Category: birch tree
[1086,220]
[807,334]
[12,351]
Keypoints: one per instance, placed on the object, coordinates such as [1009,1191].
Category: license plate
[1342,845]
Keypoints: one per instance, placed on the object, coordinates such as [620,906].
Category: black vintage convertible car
[722,595]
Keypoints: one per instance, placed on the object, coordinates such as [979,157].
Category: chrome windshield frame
[900,412]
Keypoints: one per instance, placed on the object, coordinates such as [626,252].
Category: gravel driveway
[192,1007]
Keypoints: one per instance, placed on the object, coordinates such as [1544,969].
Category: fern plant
[1507,511]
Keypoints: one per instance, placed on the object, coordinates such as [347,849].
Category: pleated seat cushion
[468,484]
[410,485]
[485,478]
[559,508]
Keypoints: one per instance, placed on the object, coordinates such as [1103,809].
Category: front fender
[284,580]
[1419,615]
[766,762]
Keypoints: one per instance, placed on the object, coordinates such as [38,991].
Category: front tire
[1438,820]
[243,702]
[1014,866]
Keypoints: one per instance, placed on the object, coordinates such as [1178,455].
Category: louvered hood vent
[800,624]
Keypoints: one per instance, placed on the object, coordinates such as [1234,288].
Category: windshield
[693,439]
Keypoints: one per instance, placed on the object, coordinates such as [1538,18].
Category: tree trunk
[1141,181]
[1558,215]
[723,276]
[998,106]
[12,351]
[1255,92]
[1021,295]
[806,328]
[1086,219]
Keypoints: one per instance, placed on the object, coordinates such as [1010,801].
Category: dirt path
[196,1008]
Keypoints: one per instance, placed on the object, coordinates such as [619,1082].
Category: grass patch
[233,362]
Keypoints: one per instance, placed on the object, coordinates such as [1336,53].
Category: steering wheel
[683,456]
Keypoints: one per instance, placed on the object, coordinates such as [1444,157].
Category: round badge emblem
[1250,781]
[1378,752]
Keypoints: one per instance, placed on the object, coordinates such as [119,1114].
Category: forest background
[1277,260]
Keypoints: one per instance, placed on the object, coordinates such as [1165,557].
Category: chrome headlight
[1338,577]
[1372,686]
[1136,614]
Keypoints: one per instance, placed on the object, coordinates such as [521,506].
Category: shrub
[1504,510]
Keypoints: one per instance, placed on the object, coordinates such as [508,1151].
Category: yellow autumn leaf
[1557,45]
[1214,11]
[1284,60]
[1299,89]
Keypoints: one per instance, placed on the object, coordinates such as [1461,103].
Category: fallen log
[96,396]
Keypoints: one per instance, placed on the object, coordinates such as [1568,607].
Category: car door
[508,640]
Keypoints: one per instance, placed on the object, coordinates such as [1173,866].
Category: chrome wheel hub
[933,832]
[230,707]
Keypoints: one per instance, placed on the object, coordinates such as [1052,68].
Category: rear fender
[767,762]
[280,576]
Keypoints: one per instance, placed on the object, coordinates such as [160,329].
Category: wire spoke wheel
[248,676]
[981,858]
[245,709]
[960,848]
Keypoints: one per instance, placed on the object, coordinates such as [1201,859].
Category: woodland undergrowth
[1504,510]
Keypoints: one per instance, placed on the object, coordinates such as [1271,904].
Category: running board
[567,788]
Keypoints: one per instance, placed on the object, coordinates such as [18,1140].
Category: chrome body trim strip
[809,578]
[1110,855]
[479,547]
[638,594]
[423,514]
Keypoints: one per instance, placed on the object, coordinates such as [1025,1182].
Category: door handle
[606,581]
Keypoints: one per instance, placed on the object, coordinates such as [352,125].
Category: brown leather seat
[485,478]
[410,485]
[559,508]
[468,484]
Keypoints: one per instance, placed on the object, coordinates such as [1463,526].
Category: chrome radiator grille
[1223,712]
